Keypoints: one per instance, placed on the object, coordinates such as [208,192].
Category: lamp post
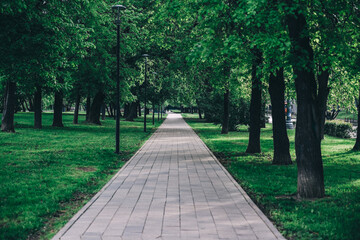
[116,10]
[145,83]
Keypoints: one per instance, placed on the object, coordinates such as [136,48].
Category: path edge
[69,224]
[266,220]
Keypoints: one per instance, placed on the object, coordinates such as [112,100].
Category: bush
[338,128]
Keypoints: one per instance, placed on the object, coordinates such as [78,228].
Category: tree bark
[158,113]
[88,106]
[31,105]
[225,125]
[58,108]
[23,106]
[153,114]
[280,137]
[132,111]
[94,114]
[126,110]
[323,94]
[37,108]
[139,108]
[77,106]
[255,105]
[357,143]
[7,121]
[307,136]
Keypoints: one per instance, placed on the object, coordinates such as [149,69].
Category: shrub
[338,128]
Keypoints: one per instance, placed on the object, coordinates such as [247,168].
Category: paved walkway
[172,188]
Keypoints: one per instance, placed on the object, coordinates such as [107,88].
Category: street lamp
[145,83]
[116,10]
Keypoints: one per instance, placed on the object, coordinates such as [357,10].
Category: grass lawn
[47,175]
[343,114]
[337,216]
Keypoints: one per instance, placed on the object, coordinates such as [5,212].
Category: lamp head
[145,55]
[116,10]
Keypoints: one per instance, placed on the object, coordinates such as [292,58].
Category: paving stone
[172,188]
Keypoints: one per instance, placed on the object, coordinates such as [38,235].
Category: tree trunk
[37,108]
[132,111]
[23,106]
[255,105]
[126,110]
[161,109]
[153,115]
[77,106]
[357,143]
[108,111]
[95,109]
[111,110]
[31,105]
[103,111]
[225,125]
[139,107]
[280,137]
[7,121]
[307,136]
[58,108]
[94,114]
[88,106]
[158,113]
[323,94]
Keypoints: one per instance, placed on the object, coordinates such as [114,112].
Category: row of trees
[223,56]
[240,50]
[63,53]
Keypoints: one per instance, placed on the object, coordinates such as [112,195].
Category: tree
[307,137]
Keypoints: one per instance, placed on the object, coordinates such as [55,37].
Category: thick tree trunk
[225,125]
[161,109]
[58,109]
[7,121]
[132,111]
[77,106]
[126,110]
[255,105]
[307,136]
[88,106]
[323,94]
[357,143]
[280,137]
[94,114]
[37,108]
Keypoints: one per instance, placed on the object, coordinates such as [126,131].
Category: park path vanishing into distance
[172,188]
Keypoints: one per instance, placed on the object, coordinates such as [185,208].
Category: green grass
[337,216]
[47,175]
[343,114]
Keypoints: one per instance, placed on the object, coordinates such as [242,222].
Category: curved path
[172,188]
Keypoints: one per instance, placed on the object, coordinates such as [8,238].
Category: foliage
[333,217]
[338,128]
[48,175]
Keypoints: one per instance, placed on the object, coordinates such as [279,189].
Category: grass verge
[337,216]
[47,175]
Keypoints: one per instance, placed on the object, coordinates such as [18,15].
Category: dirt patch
[86,169]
